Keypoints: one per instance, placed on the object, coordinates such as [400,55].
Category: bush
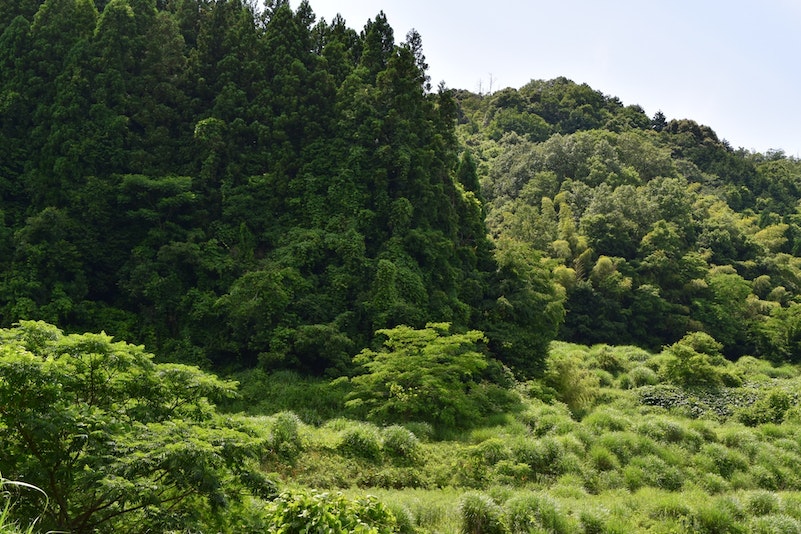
[687,368]
[658,474]
[718,459]
[606,419]
[534,513]
[481,515]
[603,459]
[668,431]
[762,503]
[310,511]
[361,442]
[593,522]
[713,483]
[404,518]
[640,376]
[401,445]
[607,358]
[284,439]
[544,456]
[714,519]
[102,428]
[491,451]
[769,408]
[574,385]
[774,524]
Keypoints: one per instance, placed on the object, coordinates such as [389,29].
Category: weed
[481,515]
[603,459]
[532,512]
[284,437]
[714,519]
[361,442]
[774,524]
[762,503]
[401,445]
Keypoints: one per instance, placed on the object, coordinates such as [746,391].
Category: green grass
[643,457]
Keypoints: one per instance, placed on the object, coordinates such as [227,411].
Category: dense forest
[651,228]
[242,187]
[288,201]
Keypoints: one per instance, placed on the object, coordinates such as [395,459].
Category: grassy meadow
[613,439]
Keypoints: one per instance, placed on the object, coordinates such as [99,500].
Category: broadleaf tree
[120,443]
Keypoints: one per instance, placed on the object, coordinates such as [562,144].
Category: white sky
[730,64]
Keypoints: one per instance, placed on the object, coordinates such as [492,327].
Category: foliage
[574,385]
[480,515]
[691,362]
[116,440]
[423,375]
[400,444]
[308,511]
[236,186]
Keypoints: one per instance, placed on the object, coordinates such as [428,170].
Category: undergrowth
[642,447]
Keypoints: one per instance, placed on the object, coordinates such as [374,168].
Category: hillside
[242,188]
[652,228]
[535,310]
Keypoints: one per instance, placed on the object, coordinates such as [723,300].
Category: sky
[733,65]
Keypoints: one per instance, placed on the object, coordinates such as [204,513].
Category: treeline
[244,187]
[653,228]
[253,187]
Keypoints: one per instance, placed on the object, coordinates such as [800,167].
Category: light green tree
[421,375]
[118,442]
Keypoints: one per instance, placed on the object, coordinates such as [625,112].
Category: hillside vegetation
[535,310]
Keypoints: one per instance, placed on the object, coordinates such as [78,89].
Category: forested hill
[243,187]
[652,227]
[250,187]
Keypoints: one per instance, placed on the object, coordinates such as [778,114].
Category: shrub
[762,503]
[607,358]
[625,445]
[669,431]
[769,408]
[657,473]
[687,368]
[605,378]
[774,524]
[602,458]
[400,444]
[533,513]
[713,483]
[606,419]
[714,519]
[310,511]
[574,385]
[544,456]
[491,451]
[510,472]
[103,428]
[361,442]
[314,400]
[404,518]
[641,376]
[284,438]
[668,506]
[593,522]
[721,460]
[481,515]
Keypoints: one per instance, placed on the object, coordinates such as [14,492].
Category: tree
[421,375]
[118,442]
[526,312]
[695,360]
[659,122]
